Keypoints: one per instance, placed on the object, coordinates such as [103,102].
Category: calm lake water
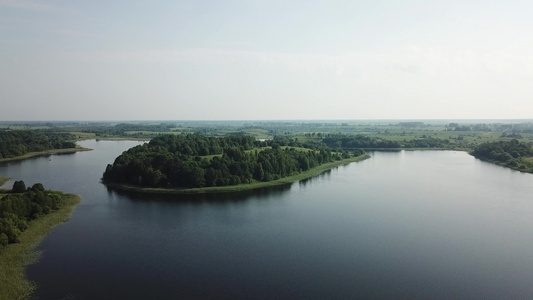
[408,225]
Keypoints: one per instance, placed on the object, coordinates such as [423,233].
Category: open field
[15,257]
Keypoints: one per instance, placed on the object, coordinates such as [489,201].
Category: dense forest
[21,205]
[19,142]
[506,152]
[193,160]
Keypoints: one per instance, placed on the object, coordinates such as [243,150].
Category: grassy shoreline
[15,257]
[3,180]
[45,153]
[241,187]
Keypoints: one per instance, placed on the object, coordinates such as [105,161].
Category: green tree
[19,187]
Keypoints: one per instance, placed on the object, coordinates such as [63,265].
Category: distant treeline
[21,205]
[19,142]
[122,129]
[369,142]
[191,161]
[506,152]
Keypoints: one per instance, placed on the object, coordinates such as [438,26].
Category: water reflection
[325,174]
[262,193]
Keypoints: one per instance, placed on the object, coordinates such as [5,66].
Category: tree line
[368,142]
[507,152]
[19,142]
[192,161]
[21,205]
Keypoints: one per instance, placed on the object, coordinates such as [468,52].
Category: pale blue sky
[227,60]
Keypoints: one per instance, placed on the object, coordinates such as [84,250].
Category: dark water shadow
[214,198]
[223,197]
[305,182]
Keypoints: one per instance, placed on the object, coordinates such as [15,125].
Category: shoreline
[240,187]
[14,258]
[44,153]
[3,180]
[503,164]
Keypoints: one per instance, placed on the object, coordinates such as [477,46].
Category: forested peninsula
[21,144]
[194,162]
[512,154]
[26,216]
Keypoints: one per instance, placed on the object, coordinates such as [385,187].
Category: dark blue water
[408,225]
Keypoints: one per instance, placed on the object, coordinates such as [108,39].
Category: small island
[26,216]
[194,163]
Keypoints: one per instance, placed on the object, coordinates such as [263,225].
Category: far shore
[240,187]
[45,153]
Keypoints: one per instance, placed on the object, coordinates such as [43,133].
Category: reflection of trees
[258,194]
[305,182]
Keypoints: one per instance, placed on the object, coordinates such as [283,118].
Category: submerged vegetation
[26,216]
[196,161]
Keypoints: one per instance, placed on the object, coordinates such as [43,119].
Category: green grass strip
[242,187]
[3,180]
[15,257]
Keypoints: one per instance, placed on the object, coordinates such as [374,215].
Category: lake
[408,225]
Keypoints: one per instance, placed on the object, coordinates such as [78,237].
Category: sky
[265,60]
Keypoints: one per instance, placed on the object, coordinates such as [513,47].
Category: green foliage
[20,142]
[4,240]
[15,257]
[172,161]
[358,141]
[509,152]
[19,187]
[22,205]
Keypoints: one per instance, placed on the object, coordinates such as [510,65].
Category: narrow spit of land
[44,153]
[14,258]
[3,180]
[241,187]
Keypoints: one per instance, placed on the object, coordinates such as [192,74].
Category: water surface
[413,225]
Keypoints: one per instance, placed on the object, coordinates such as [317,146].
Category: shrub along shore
[241,187]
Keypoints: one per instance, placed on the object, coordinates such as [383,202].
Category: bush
[18,208]
[19,187]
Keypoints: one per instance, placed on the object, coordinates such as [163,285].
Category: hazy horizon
[429,121]
[266,60]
